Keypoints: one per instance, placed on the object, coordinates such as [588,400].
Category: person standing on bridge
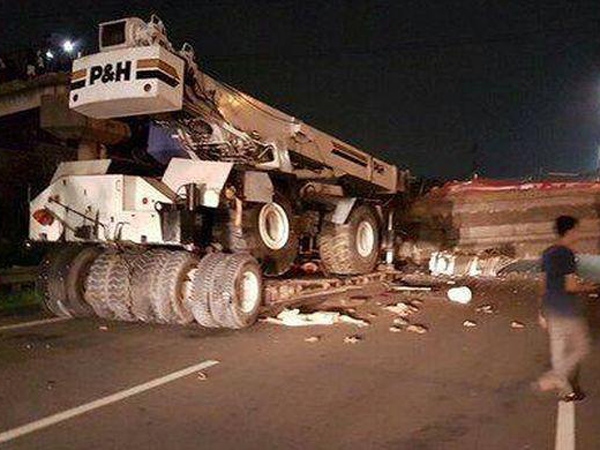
[561,313]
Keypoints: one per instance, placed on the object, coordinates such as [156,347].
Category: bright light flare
[68,46]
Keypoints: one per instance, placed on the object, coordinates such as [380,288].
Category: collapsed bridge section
[514,219]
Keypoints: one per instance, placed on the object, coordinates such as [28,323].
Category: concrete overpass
[48,96]
[24,95]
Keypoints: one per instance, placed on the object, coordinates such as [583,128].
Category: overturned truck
[240,190]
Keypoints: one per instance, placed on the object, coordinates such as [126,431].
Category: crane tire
[141,271]
[237,298]
[268,232]
[202,288]
[145,270]
[76,272]
[107,287]
[50,282]
[351,248]
[175,286]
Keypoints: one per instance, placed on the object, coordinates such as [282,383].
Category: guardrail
[17,277]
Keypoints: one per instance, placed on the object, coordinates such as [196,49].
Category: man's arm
[575,285]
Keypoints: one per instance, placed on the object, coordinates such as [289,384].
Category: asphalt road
[451,388]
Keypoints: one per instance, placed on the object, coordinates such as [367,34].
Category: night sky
[420,83]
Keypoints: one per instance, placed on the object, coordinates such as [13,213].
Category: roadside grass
[19,301]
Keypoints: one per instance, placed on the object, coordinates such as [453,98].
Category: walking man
[562,314]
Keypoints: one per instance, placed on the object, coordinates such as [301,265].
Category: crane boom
[138,72]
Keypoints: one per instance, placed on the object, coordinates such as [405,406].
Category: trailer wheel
[202,288]
[145,270]
[51,280]
[175,287]
[237,298]
[107,287]
[268,233]
[351,248]
[77,271]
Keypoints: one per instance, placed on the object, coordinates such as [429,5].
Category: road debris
[103,328]
[402,309]
[486,309]
[401,322]
[419,329]
[517,324]
[462,295]
[294,318]
[462,265]
[352,339]
[344,303]
[201,376]
[395,329]
[411,288]
[312,339]
[469,324]
[593,295]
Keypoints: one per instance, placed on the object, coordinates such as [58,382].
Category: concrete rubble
[458,265]
[486,309]
[401,322]
[294,318]
[416,328]
[402,309]
[462,295]
[410,288]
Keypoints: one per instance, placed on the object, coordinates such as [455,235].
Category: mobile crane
[240,189]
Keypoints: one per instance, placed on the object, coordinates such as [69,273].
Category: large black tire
[341,247]
[107,287]
[77,271]
[50,282]
[145,272]
[202,288]
[174,288]
[275,256]
[236,300]
[139,271]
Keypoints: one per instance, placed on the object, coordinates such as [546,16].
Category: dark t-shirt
[558,262]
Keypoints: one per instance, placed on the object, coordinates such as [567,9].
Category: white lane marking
[82,409]
[565,426]
[33,323]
